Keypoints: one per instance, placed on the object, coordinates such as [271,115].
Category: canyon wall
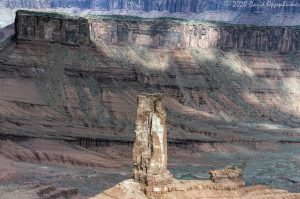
[155,33]
[169,33]
[217,101]
[95,83]
[52,28]
[180,6]
[6,35]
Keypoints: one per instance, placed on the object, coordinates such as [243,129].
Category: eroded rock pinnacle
[150,147]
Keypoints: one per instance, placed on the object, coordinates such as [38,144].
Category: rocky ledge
[151,179]
[156,33]
[244,106]
[229,174]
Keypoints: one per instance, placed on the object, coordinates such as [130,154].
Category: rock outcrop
[157,33]
[150,175]
[164,33]
[218,101]
[150,147]
[229,174]
[51,27]
[200,189]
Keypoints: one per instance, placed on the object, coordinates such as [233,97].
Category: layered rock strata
[52,27]
[217,101]
[151,178]
[150,147]
[155,33]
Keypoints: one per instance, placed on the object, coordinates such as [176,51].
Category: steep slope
[234,103]
[90,87]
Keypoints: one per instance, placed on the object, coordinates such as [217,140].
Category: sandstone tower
[150,147]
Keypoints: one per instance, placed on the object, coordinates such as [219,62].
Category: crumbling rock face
[229,174]
[150,147]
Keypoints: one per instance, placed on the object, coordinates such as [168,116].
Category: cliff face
[185,6]
[6,35]
[154,33]
[55,28]
[216,100]
[164,33]
[94,81]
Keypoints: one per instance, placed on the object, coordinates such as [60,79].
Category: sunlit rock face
[228,175]
[35,26]
[217,101]
[150,147]
[164,33]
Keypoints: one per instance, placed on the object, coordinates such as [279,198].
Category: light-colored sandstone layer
[217,102]
[150,147]
[197,190]
[229,174]
[166,33]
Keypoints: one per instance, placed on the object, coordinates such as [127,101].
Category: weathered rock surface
[219,102]
[91,90]
[165,33]
[55,153]
[199,189]
[52,28]
[159,33]
[150,147]
[229,174]
[227,183]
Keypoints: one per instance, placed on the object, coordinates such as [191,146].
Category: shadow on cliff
[222,83]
